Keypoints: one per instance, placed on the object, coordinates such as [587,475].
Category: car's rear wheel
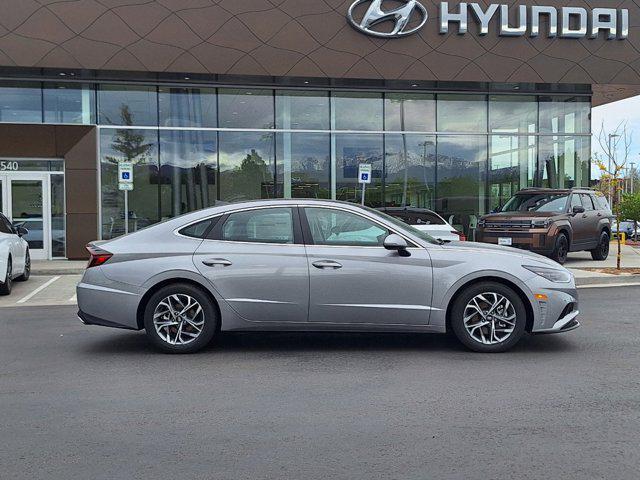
[601,252]
[561,249]
[180,318]
[5,288]
[27,268]
[488,317]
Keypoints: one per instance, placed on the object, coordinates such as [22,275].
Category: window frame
[308,237]
[216,232]
[591,207]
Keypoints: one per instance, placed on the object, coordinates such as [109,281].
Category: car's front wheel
[180,318]
[601,252]
[561,249]
[488,317]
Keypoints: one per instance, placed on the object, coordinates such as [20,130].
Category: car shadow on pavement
[294,342]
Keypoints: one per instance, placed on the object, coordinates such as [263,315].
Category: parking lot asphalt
[89,402]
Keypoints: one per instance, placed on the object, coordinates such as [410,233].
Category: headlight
[551,274]
[540,223]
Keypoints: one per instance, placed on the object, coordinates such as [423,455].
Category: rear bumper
[87,319]
[108,303]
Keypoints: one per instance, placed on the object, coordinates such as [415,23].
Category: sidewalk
[580,260]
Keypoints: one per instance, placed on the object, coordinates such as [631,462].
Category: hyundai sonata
[311,265]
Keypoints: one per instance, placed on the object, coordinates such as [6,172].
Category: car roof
[526,191]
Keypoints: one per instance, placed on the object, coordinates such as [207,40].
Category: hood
[517,215]
[490,248]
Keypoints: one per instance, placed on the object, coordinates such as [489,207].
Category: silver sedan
[311,265]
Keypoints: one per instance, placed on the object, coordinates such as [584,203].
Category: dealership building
[455,105]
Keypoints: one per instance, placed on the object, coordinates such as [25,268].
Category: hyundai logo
[401,18]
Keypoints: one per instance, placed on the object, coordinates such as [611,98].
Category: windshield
[537,202]
[418,233]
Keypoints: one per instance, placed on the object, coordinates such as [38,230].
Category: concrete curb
[609,280]
[56,271]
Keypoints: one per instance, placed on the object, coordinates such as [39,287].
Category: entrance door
[25,201]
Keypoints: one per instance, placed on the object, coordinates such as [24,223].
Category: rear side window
[266,225]
[601,202]
[200,229]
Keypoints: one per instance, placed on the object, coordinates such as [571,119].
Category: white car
[427,221]
[15,262]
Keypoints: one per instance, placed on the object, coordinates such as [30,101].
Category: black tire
[210,318]
[601,252]
[27,268]
[5,288]
[487,289]
[561,249]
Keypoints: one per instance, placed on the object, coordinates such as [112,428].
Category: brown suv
[552,222]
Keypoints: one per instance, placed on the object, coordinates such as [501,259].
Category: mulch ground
[614,271]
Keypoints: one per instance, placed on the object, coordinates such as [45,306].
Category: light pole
[611,159]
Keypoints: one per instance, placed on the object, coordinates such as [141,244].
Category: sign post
[125,182]
[364,177]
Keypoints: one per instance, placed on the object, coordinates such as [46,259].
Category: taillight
[98,256]
[463,237]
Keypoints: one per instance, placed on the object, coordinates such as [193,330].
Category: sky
[612,114]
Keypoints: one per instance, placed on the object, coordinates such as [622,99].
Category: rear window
[417,218]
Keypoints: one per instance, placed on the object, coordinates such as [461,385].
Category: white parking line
[38,290]
[73,298]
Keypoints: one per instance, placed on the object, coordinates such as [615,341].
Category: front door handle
[327,264]
[215,262]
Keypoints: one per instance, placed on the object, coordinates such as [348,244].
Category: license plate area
[507,241]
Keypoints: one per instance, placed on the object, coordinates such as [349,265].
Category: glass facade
[461,154]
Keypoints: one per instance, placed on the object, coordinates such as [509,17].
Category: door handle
[327,264]
[214,262]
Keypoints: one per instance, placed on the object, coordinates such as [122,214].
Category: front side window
[575,201]
[587,202]
[268,225]
[537,202]
[337,227]
[5,225]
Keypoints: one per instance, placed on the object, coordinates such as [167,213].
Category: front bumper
[564,324]
[537,240]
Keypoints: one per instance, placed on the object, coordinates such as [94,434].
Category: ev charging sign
[125,176]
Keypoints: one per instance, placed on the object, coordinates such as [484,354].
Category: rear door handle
[215,262]
[327,264]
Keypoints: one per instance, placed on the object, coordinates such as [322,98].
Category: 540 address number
[9,166]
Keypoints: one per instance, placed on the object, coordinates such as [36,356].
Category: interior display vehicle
[318,265]
[427,221]
[552,222]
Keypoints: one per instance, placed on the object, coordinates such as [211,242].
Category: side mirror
[577,209]
[397,243]
[21,231]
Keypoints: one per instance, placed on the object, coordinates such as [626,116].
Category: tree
[130,143]
[612,167]
[630,208]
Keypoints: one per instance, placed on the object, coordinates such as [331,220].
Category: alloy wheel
[178,319]
[604,247]
[489,318]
